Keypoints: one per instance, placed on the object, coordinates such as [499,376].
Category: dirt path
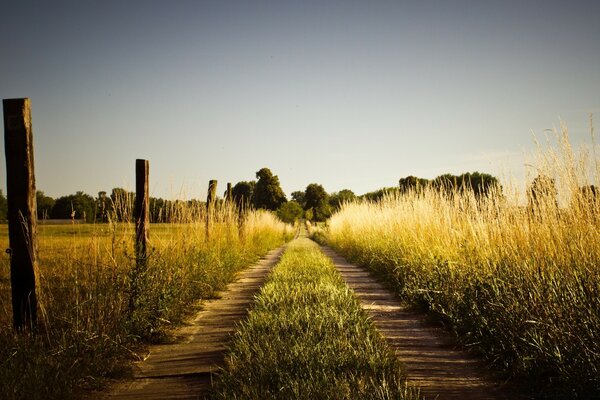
[432,361]
[183,370]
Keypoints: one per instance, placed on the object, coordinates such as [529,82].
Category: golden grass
[519,282]
[88,326]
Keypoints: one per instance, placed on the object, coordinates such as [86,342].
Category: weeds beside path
[183,370]
[432,361]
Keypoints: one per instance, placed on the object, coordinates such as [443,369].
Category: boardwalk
[183,370]
[431,360]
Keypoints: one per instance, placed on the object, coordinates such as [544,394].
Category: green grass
[307,338]
[88,333]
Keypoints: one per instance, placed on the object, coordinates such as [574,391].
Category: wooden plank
[22,211]
[432,359]
[142,212]
[211,199]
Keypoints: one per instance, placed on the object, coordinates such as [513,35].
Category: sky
[346,94]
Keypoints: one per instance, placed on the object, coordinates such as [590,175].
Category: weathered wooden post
[142,226]
[211,199]
[229,193]
[22,211]
[142,211]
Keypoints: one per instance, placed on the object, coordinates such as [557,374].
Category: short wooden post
[142,227]
[211,199]
[22,211]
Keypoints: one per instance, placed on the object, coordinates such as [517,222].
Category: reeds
[514,274]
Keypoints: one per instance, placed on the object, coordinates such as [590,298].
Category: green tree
[412,183]
[267,192]
[298,196]
[343,196]
[3,207]
[44,205]
[317,200]
[75,206]
[290,211]
[243,193]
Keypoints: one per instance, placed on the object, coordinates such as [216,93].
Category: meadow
[513,274]
[90,325]
[308,338]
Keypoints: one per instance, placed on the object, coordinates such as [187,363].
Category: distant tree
[298,196]
[317,200]
[44,205]
[542,195]
[343,196]
[121,204]
[479,183]
[290,211]
[3,207]
[412,183]
[267,192]
[379,194]
[243,193]
[75,206]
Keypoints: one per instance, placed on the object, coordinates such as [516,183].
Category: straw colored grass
[90,328]
[517,281]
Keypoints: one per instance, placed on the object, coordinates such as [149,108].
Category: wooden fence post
[142,226]
[211,199]
[22,211]
[142,211]
[229,193]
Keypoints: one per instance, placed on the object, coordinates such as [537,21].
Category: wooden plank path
[431,359]
[183,370]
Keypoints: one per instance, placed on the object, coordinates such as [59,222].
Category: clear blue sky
[346,94]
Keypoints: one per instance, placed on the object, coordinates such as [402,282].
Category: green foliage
[243,193]
[290,212]
[267,192]
[3,207]
[75,206]
[343,196]
[298,196]
[317,200]
[44,205]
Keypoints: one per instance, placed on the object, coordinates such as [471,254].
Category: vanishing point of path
[184,370]
[430,357]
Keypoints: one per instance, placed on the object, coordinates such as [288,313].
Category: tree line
[313,203]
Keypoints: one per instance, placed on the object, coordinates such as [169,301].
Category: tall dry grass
[90,326]
[516,279]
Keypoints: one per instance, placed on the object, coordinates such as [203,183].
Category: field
[91,326]
[516,280]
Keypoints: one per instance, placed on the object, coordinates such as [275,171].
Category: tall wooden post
[142,212]
[211,199]
[142,227]
[22,211]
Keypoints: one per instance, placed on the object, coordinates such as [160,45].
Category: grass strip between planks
[308,338]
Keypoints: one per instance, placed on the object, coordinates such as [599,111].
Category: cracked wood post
[211,199]
[142,226]
[22,211]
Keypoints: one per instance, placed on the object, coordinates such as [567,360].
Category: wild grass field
[515,275]
[90,326]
